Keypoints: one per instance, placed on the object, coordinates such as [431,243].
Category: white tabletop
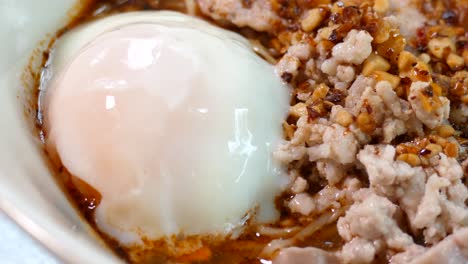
[18,247]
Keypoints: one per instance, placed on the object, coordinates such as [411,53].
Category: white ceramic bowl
[29,193]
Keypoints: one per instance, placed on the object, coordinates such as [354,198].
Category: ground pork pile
[377,126]
[255,14]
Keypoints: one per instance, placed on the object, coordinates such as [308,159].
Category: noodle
[277,232]
[275,245]
[323,220]
[261,50]
[309,230]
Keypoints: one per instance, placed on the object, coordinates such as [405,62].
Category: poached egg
[171,120]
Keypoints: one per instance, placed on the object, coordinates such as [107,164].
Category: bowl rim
[52,245]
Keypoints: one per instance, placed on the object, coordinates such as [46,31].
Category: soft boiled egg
[171,120]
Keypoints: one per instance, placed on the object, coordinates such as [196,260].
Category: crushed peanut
[381,6]
[438,140]
[311,20]
[433,149]
[406,61]
[298,110]
[454,61]
[441,47]
[375,63]
[320,92]
[383,34]
[325,33]
[385,76]
[391,48]
[411,159]
[445,131]
[425,57]
[344,118]
[451,150]
[366,123]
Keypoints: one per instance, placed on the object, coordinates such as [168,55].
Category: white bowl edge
[28,191]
